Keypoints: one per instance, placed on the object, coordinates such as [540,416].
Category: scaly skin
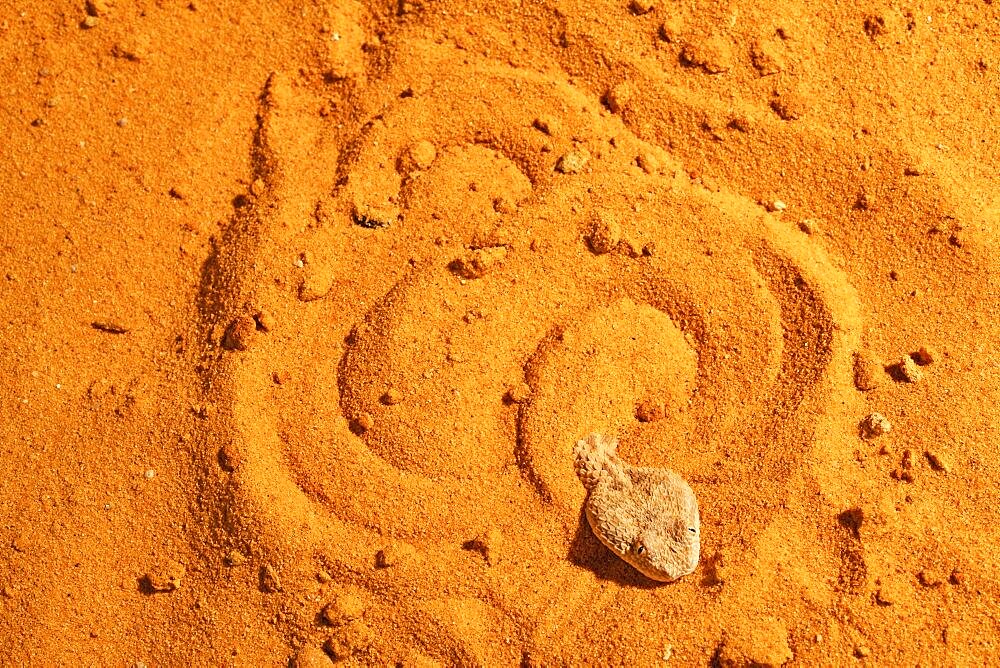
[647,516]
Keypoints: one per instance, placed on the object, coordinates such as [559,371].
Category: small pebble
[604,234]
[479,262]
[930,578]
[648,162]
[790,106]
[875,425]
[98,7]
[766,58]
[122,122]
[862,651]
[713,55]
[619,96]
[372,217]
[957,578]
[937,462]
[640,7]
[776,205]
[311,657]
[808,225]
[317,281]
[548,124]
[166,576]
[392,396]
[489,544]
[925,356]
[150,474]
[235,558]
[418,156]
[270,583]
[239,333]
[349,639]
[363,423]
[109,326]
[650,411]
[518,393]
[264,321]
[890,592]
[909,370]
[89,22]
[395,554]
[573,161]
[867,371]
[343,608]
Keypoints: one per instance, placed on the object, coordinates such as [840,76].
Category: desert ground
[306,303]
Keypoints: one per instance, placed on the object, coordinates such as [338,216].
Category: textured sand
[306,304]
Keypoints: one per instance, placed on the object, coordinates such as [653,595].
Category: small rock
[363,423]
[937,462]
[619,96]
[648,162]
[518,393]
[323,577]
[489,544]
[235,558]
[875,425]
[264,321]
[350,639]
[239,333]
[902,474]
[766,58]
[930,578]
[280,377]
[713,55]
[418,156]
[776,205]
[604,234]
[548,124]
[890,592]
[957,578]
[270,583]
[392,397]
[925,356]
[98,7]
[109,326]
[909,370]
[230,458]
[317,281]
[89,22]
[373,217]
[311,657]
[573,161]
[479,262]
[671,29]
[650,411]
[166,576]
[344,608]
[862,651]
[395,554]
[863,202]
[808,225]
[504,204]
[640,7]
[867,371]
[790,106]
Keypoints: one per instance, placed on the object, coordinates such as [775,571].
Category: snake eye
[641,549]
[692,530]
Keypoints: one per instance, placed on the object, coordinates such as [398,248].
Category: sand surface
[304,305]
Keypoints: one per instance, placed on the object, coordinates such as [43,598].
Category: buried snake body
[646,516]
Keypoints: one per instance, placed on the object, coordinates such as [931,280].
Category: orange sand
[238,426]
